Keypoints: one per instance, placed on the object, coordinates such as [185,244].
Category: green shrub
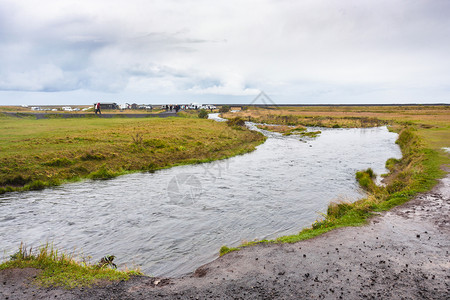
[35,185]
[370,172]
[337,210]
[236,122]
[224,109]
[203,114]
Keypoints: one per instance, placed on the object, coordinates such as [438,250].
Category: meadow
[35,154]
[432,122]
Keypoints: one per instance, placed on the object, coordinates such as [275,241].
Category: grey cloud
[316,49]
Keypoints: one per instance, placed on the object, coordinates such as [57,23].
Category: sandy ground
[401,254]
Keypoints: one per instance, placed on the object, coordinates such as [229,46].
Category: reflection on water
[172,221]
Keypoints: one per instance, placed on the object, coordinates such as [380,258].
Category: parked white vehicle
[208,106]
[194,105]
[67,108]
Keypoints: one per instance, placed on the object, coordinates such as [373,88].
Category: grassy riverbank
[61,269]
[347,116]
[421,138]
[35,154]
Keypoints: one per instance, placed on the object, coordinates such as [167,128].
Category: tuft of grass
[137,138]
[224,250]
[311,134]
[36,185]
[92,156]
[155,143]
[391,162]
[236,122]
[284,129]
[61,269]
[365,179]
[103,173]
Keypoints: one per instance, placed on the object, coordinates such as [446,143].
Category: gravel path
[401,254]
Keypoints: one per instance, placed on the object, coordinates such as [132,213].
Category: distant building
[108,106]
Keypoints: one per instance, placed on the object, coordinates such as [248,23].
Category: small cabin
[108,106]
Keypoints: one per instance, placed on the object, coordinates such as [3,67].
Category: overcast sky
[178,51]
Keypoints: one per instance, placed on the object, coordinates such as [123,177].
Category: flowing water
[172,221]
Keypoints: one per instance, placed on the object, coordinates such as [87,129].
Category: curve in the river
[172,221]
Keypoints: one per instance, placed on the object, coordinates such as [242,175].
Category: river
[172,221]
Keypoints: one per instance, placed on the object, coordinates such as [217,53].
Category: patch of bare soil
[401,254]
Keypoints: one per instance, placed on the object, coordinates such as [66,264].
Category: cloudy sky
[179,51]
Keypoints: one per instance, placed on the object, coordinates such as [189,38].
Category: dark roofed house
[108,106]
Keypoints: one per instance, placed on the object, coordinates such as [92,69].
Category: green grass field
[35,154]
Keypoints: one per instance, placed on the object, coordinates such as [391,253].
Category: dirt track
[402,254]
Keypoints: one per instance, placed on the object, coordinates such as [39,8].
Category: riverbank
[400,254]
[36,154]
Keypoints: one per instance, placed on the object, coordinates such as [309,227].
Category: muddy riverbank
[400,254]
